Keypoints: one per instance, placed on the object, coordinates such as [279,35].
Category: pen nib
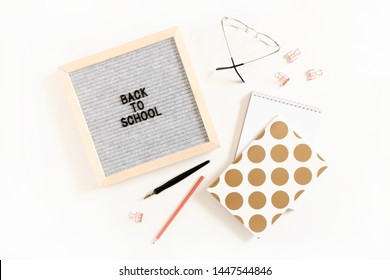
[152,193]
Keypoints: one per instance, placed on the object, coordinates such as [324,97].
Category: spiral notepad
[263,108]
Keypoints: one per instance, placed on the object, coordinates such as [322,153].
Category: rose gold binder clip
[136,217]
[313,74]
[293,55]
[283,79]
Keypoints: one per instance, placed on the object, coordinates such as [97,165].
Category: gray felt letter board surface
[139,107]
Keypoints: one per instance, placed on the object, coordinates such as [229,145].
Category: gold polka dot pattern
[257,223]
[267,177]
[276,217]
[279,176]
[256,154]
[279,153]
[215,183]
[257,200]
[238,158]
[320,157]
[302,152]
[239,219]
[234,200]
[261,134]
[297,135]
[279,130]
[215,196]
[302,175]
[298,194]
[322,169]
[280,199]
[233,177]
[256,177]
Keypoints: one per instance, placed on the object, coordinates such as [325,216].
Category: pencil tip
[154,240]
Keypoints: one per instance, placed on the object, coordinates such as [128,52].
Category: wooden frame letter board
[139,107]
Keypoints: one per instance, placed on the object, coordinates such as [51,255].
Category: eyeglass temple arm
[234,66]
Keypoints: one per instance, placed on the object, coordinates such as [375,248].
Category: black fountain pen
[177,179]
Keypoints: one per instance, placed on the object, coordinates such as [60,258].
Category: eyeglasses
[233,29]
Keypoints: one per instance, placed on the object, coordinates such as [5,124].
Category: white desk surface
[50,205]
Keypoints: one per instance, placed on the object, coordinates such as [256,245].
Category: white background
[50,205]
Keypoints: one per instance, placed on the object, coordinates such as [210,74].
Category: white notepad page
[263,108]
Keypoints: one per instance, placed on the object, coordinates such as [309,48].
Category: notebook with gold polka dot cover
[268,176]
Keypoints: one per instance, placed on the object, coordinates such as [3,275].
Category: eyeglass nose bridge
[248,28]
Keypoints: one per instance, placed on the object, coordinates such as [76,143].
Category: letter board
[139,107]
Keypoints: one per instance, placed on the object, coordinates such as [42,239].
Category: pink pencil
[178,209]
